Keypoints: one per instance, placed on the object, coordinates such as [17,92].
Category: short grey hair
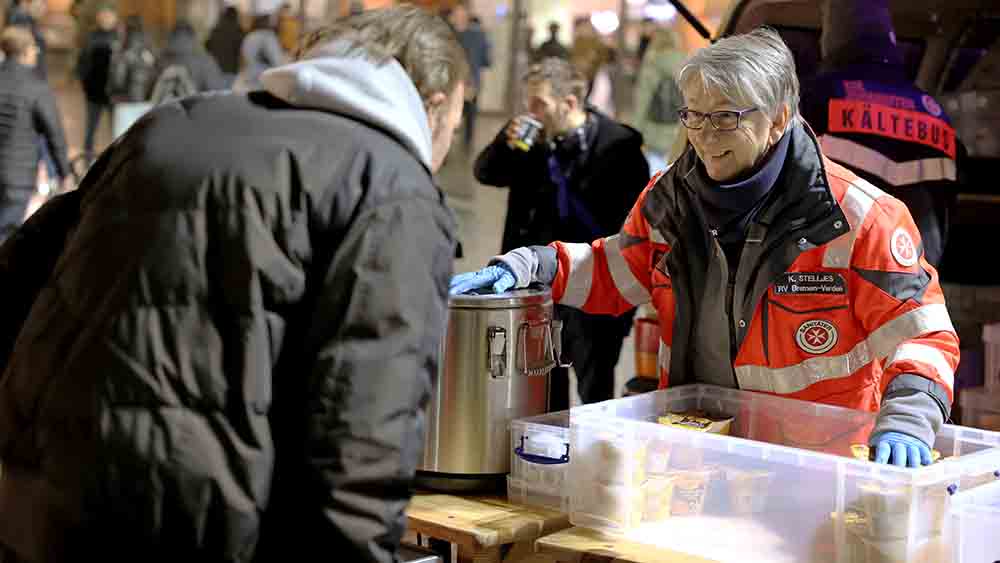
[756,69]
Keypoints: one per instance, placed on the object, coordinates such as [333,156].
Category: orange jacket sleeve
[900,302]
[610,275]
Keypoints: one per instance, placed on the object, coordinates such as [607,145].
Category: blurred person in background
[185,68]
[94,71]
[478,51]
[133,67]
[524,56]
[27,13]
[592,57]
[28,113]
[234,356]
[770,266]
[552,47]
[576,182]
[871,118]
[224,43]
[289,28]
[647,30]
[260,51]
[658,98]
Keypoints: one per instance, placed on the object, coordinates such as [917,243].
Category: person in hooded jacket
[871,118]
[261,50]
[224,43]
[133,66]
[184,51]
[772,268]
[233,362]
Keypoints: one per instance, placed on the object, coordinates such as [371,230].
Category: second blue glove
[498,276]
[900,449]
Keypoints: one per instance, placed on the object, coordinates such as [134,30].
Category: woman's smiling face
[727,155]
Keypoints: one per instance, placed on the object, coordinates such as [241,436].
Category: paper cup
[658,458]
[690,490]
[877,498]
[659,493]
[620,505]
[748,490]
[615,463]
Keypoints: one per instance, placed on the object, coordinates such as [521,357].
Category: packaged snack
[700,421]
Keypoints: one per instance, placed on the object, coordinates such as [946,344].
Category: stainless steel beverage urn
[495,362]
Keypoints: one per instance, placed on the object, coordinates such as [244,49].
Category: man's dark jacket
[221,346]
[608,178]
[93,67]
[28,112]
[225,40]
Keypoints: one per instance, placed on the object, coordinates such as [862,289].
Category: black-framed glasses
[722,120]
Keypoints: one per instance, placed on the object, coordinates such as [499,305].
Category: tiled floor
[480,209]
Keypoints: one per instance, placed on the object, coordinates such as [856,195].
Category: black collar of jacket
[605,134]
[801,196]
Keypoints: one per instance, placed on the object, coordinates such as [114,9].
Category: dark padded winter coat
[28,112]
[220,348]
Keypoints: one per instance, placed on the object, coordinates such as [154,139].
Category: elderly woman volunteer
[772,268]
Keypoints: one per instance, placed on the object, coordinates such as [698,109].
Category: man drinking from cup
[573,174]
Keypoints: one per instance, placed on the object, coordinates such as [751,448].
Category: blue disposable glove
[900,449]
[499,276]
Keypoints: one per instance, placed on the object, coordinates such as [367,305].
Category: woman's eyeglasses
[723,120]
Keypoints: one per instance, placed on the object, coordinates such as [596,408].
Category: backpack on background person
[174,82]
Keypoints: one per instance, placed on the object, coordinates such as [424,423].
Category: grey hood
[381,95]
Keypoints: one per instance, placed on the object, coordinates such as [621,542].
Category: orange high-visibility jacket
[831,300]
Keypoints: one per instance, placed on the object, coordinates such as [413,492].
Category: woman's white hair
[754,69]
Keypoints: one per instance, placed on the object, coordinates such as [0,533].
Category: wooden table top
[583,544]
[477,522]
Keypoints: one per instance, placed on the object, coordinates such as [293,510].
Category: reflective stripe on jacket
[833,298]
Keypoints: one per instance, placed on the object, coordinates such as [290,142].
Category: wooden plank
[535,558]
[480,555]
[578,545]
[474,523]
[520,552]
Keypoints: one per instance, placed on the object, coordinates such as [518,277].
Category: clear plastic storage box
[785,485]
[539,459]
[974,523]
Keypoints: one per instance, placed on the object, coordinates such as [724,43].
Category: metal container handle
[541,459]
[550,361]
[496,346]
[557,327]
